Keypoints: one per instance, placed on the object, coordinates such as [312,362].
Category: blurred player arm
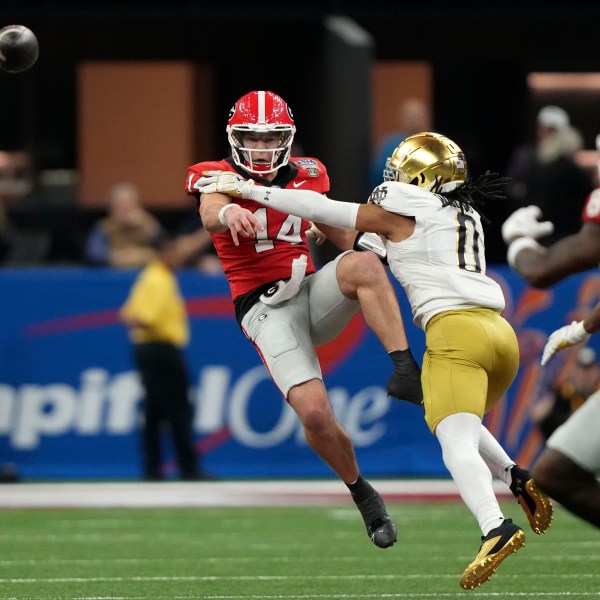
[542,267]
[132,322]
[592,322]
[132,313]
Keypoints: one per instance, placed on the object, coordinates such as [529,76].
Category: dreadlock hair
[473,195]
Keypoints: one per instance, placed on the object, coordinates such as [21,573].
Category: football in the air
[19,48]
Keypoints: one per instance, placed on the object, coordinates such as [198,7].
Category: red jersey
[268,256]
[591,210]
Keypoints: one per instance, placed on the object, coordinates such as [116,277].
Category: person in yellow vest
[156,318]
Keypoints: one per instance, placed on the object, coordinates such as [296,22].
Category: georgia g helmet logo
[231,113]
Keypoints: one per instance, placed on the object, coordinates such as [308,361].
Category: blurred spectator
[15,184]
[16,179]
[9,473]
[6,241]
[571,388]
[196,244]
[413,116]
[156,318]
[124,237]
[544,173]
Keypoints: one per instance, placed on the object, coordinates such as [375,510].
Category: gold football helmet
[426,159]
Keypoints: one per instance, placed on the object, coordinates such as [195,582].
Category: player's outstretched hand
[240,221]
[524,222]
[566,336]
[405,382]
[224,182]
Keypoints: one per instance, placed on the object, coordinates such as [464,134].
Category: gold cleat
[534,502]
[497,545]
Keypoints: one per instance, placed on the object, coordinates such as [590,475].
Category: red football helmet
[261,113]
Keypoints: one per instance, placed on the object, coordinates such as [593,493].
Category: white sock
[459,435]
[498,462]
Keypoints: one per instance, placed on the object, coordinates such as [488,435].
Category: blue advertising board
[70,397]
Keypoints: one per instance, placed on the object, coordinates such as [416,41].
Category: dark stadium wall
[480,57]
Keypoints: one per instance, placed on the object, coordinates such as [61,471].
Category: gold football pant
[472,358]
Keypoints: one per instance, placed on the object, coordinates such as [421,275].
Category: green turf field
[280,553]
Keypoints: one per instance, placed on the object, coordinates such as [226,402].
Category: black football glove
[405,381]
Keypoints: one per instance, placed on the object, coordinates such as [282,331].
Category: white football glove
[224,182]
[566,336]
[524,223]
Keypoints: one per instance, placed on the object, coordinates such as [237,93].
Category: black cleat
[380,527]
[533,501]
[497,545]
[405,381]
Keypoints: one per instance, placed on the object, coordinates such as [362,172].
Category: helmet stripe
[261,107]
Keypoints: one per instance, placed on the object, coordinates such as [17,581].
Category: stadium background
[318,56]
[70,397]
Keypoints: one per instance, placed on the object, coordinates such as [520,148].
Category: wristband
[516,247]
[222,213]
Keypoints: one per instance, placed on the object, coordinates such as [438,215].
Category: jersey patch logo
[378,195]
[309,165]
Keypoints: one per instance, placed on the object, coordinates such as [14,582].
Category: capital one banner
[70,397]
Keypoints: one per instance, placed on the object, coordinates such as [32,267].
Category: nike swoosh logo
[297,184]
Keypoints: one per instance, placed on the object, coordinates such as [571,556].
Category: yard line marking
[266,578]
[246,559]
[192,559]
[331,596]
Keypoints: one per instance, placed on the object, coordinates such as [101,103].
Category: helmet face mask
[260,151]
[426,160]
[261,131]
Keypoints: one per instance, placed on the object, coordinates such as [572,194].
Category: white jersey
[441,266]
